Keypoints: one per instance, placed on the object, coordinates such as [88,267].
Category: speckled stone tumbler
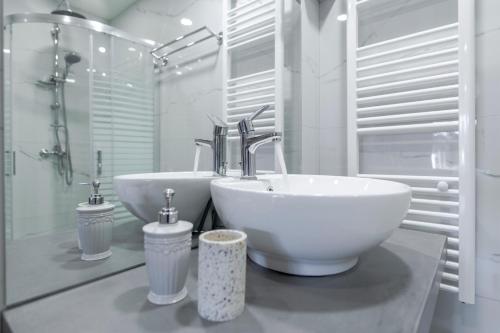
[221,274]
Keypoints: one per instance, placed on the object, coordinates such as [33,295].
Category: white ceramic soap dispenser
[95,224]
[167,245]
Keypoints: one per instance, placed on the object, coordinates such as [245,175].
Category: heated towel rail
[412,85]
[250,26]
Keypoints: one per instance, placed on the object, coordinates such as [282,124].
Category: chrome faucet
[218,145]
[250,142]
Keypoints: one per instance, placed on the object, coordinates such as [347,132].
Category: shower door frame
[75,22]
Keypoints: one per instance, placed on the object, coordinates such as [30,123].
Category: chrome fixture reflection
[250,142]
[218,145]
[68,11]
[61,151]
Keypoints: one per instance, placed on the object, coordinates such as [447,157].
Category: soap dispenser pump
[95,225]
[167,245]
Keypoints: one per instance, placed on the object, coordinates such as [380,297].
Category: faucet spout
[249,146]
[204,143]
[257,141]
[217,144]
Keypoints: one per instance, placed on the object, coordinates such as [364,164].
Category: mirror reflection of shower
[61,151]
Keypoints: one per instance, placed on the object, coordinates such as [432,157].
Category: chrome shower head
[72,58]
[67,12]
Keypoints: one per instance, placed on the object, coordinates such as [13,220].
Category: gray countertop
[44,264]
[392,289]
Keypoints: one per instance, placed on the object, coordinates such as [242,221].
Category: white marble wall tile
[189,91]
[332,97]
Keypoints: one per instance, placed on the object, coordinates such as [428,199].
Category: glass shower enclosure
[79,105]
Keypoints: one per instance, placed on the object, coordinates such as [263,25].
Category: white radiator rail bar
[438,102]
[249,41]
[433,191]
[252,91]
[428,213]
[410,36]
[249,10]
[411,93]
[408,48]
[409,59]
[444,126]
[417,116]
[435,202]
[240,7]
[466,150]
[449,288]
[250,84]
[249,76]
[410,177]
[250,18]
[452,240]
[450,276]
[249,107]
[410,82]
[264,114]
[250,33]
[250,99]
[409,70]
[431,226]
[255,24]
[451,264]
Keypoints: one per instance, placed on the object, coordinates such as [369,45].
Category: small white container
[221,274]
[95,226]
[167,245]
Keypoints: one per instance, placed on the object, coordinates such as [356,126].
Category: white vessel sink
[142,194]
[310,225]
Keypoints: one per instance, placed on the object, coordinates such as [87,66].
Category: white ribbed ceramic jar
[95,226]
[221,274]
[167,249]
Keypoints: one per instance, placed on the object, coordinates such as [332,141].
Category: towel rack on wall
[253,26]
[420,87]
[162,57]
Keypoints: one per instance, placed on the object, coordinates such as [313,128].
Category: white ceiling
[106,9]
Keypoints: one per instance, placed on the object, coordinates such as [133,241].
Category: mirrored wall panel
[80,106]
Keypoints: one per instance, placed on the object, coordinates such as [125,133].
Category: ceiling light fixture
[342,17]
[186,21]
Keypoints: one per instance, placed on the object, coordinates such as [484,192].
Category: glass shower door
[89,95]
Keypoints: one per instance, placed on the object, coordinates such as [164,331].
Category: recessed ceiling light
[132,49]
[6,51]
[103,74]
[186,21]
[342,17]
[178,73]
[102,49]
[130,85]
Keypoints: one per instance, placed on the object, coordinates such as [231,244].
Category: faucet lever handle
[217,121]
[258,112]
[245,125]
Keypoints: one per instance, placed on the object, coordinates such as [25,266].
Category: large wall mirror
[85,100]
